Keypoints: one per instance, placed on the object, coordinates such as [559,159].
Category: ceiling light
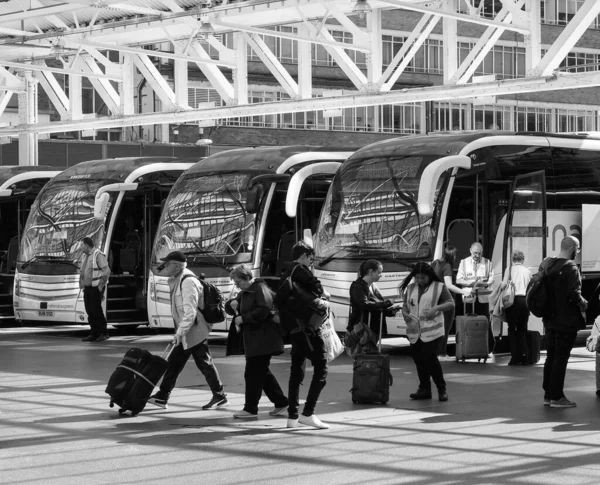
[206,29]
[362,7]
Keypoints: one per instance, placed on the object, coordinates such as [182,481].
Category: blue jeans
[558,351]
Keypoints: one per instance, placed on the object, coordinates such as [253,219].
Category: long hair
[449,255]
[369,264]
[419,268]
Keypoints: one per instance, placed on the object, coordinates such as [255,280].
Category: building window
[568,120]
[450,117]
[429,57]
[506,62]
[560,12]
[286,50]
[533,119]
[401,118]
[492,117]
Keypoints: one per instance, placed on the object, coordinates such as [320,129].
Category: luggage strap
[138,374]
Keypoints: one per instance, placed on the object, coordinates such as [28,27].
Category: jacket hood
[553,266]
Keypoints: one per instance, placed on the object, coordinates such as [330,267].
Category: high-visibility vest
[96,271]
[426,330]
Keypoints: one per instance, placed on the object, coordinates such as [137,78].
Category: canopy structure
[34,34]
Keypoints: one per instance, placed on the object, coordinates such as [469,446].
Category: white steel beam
[102,86]
[375,55]
[180,78]
[567,38]
[416,95]
[53,90]
[75,98]
[484,45]
[157,82]
[164,55]
[404,56]
[522,29]
[359,36]
[28,115]
[51,18]
[450,42]
[57,70]
[110,67]
[305,68]
[5,96]
[11,82]
[136,9]
[35,13]
[240,73]
[297,37]
[126,87]
[533,41]
[272,63]
[214,75]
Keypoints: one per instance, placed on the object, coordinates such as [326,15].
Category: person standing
[561,329]
[306,344]
[425,299]
[367,305]
[444,270]
[476,275]
[93,278]
[517,315]
[191,333]
[252,310]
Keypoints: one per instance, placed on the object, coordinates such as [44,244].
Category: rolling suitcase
[534,346]
[371,377]
[134,379]
[472,336]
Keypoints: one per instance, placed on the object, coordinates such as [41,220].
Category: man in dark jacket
[561,329]
[306,344]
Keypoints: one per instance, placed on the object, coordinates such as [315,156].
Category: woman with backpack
[425,299]
[444,269]
[252,309]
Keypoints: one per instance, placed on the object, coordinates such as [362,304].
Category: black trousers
[558,351]
[425,355]
[259,378]
[301,351]
[201,354]
[517,317]
[92,300]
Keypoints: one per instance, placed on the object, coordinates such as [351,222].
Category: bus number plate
[46,313]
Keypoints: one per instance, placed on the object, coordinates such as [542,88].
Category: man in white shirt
[476,272]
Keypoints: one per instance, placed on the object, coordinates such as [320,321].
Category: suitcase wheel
[463,360]
[111,404]
[457,360]
[485,360]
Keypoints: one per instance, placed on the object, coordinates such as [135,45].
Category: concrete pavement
[56,426]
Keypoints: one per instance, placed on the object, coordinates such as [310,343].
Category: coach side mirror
[101,206]
[253,198]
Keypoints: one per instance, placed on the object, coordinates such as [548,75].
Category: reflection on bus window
[207,215]
[60,218]
[373,205]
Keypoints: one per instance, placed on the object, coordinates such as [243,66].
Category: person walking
[444,269]
[517,315]
[93,278]
[367,305]
[252,311]
[425,299]
[561,328]
[306,344]
[191,333]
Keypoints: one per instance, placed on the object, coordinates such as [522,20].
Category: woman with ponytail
[367,306]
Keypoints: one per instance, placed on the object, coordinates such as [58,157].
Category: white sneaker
[293,423]
[312,421]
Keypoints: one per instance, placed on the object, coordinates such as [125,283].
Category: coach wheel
[463,360]
[484,361]
[478,360]
[457,360]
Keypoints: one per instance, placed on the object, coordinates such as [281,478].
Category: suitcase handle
[167,353]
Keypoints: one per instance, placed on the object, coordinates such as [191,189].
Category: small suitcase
[371,377]
[534,346]
[472,336]
[134,379]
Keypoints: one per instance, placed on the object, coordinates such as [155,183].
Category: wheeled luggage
[371,377]
[534,346]
[134,379]
[472,336]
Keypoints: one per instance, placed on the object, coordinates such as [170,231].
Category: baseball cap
[175,256]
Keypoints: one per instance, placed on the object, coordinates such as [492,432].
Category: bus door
[526,226]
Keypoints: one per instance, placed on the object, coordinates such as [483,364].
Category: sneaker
[421,394]
[563,402]
[217,401]
[245,415]
[89,338]
[159,399]
[293,423]
[312,421]
[547,401]
[278,411]
[443,396]
[102,338]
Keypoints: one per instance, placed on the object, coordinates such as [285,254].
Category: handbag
[508,295]
[591,342]
[332,343]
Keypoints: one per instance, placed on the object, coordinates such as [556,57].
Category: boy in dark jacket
[305,344]
[561,329]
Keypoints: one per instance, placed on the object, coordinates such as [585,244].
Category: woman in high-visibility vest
[425,299]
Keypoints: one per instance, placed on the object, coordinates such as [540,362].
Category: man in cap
[93,277]
[191,332]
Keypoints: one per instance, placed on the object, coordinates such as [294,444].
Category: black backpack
[540,298]
[214,306]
